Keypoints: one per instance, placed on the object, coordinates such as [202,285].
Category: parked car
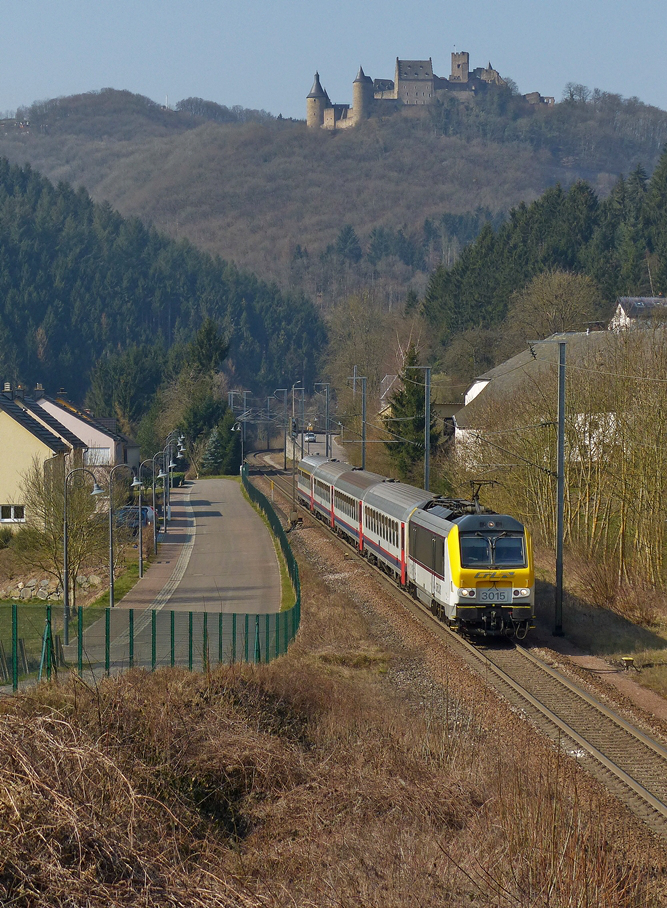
[310,436]
[128,516]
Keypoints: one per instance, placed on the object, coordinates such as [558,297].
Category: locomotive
[472,567]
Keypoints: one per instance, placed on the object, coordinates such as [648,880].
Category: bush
[178,479]
[6,536]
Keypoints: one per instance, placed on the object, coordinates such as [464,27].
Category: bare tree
[40,543]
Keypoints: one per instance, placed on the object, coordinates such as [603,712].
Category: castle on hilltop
[414,82]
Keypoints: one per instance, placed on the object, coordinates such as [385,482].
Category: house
[498,386]
[104,445]
[24,441]
[634,310]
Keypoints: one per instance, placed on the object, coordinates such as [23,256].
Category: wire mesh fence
[105,641]
[266,507]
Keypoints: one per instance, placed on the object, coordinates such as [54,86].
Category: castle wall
[417,91]
[414,84]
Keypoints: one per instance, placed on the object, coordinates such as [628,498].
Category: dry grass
[361,769]
[608,619]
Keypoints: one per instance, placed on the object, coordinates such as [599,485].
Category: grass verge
[287,594]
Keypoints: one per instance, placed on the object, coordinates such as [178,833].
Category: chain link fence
[112,640]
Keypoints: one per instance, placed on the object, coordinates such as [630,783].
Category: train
[471,567]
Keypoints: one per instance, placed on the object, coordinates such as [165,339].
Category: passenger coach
[473,568]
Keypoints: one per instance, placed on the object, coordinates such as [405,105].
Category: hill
[274,196]
[78,282]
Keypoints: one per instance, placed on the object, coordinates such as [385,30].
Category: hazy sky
[264,54]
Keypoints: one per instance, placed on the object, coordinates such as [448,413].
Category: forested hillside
[78,281]
[380,205]
[619,244]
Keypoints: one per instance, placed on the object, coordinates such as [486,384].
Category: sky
[264,54]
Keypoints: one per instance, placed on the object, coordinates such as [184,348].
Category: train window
[475,550]
[508,550]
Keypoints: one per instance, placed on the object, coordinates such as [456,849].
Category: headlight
[520,594]
[467,594]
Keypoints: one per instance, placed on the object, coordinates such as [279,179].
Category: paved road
[212,594]
[218,556]
[233,565]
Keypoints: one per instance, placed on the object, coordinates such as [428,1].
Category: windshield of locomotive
[490,551]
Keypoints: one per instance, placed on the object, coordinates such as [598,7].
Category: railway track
[630,763]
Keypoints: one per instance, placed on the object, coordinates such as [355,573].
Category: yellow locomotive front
[492,575]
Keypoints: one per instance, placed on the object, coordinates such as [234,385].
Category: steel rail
[422,613]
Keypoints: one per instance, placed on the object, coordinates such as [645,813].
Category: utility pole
[427,429]
[325,385]
[362,379]
[326,424]
[363,423]
[284,427]
[245,410]
[293,435]
[268,423]
[558,619]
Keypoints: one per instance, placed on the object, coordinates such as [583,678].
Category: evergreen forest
[80,283]
[618,243]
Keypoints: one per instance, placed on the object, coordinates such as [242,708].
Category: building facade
[414,83]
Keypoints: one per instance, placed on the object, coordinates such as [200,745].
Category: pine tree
[407,421]
[214,454]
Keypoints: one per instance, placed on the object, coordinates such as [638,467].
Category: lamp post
[137,483]
[239,428]
[170,466]
[155,456]
[113,470]
[96,491]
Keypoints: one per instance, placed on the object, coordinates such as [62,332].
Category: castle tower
[460,67]
[316,103]
[362,96]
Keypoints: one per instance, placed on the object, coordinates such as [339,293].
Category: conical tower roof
[362,77]
[317,91]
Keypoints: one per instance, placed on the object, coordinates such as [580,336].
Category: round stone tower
[362,96]
[316,103]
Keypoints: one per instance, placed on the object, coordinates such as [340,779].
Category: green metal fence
[112,640]
[103,641]
[265,505]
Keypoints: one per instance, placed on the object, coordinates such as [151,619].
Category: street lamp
[237,427]
[96,491]
[113,470]
[155,456]
[163,476]
[137,484]
[171,466]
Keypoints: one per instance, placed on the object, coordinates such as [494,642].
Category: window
[97,456]
[508,551]
[428,549]
[492,551]
[12,513]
